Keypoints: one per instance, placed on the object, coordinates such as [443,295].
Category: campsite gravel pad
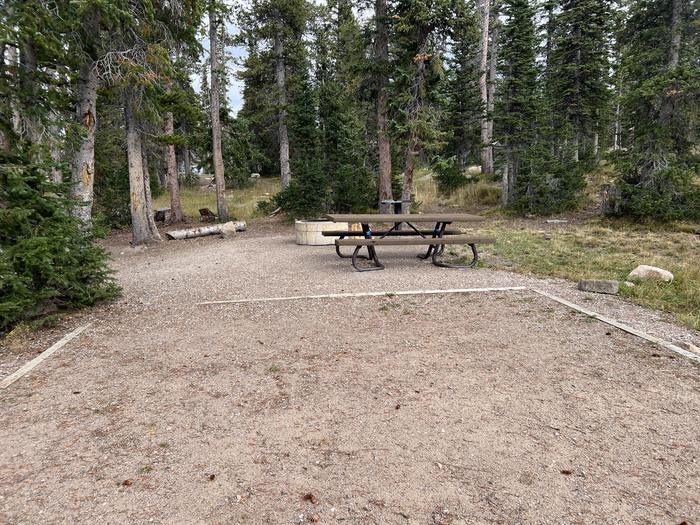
[480,408]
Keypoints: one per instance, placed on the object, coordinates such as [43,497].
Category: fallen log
[225,229]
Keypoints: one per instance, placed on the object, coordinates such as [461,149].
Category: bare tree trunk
[83,169]
[186,163]
[506,189]
[493,64]
[83,163]
[383,142]
[675,49]
[30,126]
[173,184]
[143,226]
[56,153]
[14,67]
[147,186]
[215,118]
[280,74]
[596,146]
[485,9]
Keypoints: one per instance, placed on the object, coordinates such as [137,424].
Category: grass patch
[242,202]
[603,249]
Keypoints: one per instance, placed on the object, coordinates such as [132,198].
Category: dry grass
[241,202]
[603,249]
[476,195]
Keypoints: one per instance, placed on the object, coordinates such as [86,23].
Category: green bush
[46,262]
[448,175]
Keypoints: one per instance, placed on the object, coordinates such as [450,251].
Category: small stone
[556,221]
[599,286]
[644,272]
[547,237]
[629,284]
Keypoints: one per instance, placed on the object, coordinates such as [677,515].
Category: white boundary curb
[28,367]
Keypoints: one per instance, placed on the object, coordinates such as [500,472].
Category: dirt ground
[446,409]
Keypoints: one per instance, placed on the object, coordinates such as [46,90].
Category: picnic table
[435,239]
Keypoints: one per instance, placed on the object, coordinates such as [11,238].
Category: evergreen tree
[533,179]
[660,107]
[577,73]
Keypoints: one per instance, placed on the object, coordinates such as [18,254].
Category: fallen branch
[225,229]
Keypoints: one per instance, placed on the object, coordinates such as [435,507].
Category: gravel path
[348,410]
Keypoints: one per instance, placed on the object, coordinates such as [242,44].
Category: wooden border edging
[364,294]
[28,367]
[653,339]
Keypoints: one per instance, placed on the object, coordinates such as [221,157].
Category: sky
[235,87]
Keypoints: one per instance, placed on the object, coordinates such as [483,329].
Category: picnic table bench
[435,239]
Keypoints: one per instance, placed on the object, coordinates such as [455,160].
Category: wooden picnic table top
[403,217]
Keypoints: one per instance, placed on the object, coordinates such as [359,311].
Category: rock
[599,286]
[557,221]
[229,229]
[547,237]
[254,175]
[644,272]
[629,284]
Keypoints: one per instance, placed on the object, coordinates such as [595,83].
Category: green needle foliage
[46,262]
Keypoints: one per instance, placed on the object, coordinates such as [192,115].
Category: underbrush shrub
[546,185]
[449,177]
[671,194]
[46,261]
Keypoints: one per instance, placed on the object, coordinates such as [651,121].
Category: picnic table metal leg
[340,254]
[372,256]
[438,232]
[472,264]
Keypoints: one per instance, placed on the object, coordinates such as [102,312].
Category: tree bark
[27,82]
[383,142]
[202,231]
[280,74]
[491,92]
[143,226]
[485,9]
[675,49]
[218,160]
[83,169]
[176,214]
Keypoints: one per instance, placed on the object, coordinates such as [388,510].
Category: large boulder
[644,272]
[599,286]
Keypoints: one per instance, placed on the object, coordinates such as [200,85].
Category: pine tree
[577,72]
[660,107]
[463,105]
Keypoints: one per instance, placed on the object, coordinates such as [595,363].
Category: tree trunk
[27,80]
[485,9]
[202,231]
[491,91]
[143,226]
[147,187]
[383,142]
[187,167]
[280,73]
[173,184]
[218,160]
[596,146]
[506,189]
[83,169]
[674,50]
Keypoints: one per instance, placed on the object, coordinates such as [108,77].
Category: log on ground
[203,231]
